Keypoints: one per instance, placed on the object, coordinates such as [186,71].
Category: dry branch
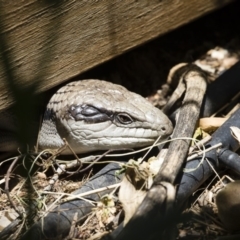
[154,211]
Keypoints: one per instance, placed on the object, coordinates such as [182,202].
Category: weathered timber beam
[52,41]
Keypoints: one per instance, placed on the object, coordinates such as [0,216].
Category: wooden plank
[53,42]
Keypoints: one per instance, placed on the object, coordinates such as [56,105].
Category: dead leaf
[135,184]
[199,134]
[105,210]
[211,124]
[236,133]
[41,175]
[130,197]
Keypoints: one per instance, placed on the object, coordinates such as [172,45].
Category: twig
[81,195]
[200,143]
[153,207]
[72,228]
[7,178]
[206,150]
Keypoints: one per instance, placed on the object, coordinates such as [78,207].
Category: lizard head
[98,115]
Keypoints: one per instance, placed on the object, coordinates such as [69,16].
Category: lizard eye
[124,118]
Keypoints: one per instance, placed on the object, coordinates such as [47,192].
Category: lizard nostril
[163,129]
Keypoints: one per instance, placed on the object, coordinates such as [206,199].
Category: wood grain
[51,43]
